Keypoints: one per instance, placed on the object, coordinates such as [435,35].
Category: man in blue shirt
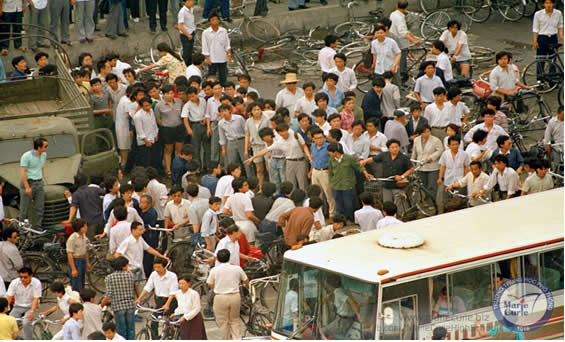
[31,173]
[178,166]
[21,69]
[515,159]
[319,171]
[71,328]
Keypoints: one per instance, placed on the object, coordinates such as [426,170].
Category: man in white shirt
[197,124]
[367,217]
[507,179]
[457,110]
[158,192]
[120,231]
[216,48]
[425,84]
[437,113]
[306,104]
[326,233]
[386,53]
[347,80]
[25,293]
[176,212]
[132,248]
[289,96]
[326,55]
[554,135]
[547,25]
[224,188]
[399,32]
[240,208]
[187,27]
[165,284]
[225,280]
[474,181]
[502,78]
[147,133]
[389,210]
[454,164]
[540,180]
[475,150]
[488,125]
[195,68]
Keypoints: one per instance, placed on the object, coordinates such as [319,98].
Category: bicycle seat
[57,228]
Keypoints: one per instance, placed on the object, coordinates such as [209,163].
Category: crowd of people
[244,169]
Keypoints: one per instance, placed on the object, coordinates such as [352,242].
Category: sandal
[4,52]
[169,173]
[22,49]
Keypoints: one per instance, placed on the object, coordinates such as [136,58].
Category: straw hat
[290,78]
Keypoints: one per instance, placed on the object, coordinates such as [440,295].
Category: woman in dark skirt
[188,311]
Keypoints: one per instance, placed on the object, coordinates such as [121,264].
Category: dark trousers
[151,6]
[150,237]
[344,202]
[16,29]
[77,283]
[159,302]
[210,4]
[221,69]
[134,8]
[147,156]
[200,141]
[187,48]
[261,8]
[403,66]
[546,48]
[124,4]
[125,323]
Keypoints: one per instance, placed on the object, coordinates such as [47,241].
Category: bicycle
[259,319]
[354,26]
[455,193]
[545,71]
[511,10]
[101,266]
[177,249]
[41,327]
[168,330]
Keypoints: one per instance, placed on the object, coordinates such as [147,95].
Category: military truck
[52,108]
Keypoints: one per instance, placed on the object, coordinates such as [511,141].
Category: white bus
[354,288]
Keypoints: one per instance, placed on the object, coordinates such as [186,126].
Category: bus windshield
[316,304]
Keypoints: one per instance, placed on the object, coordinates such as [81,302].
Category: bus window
[470,289]
[552,269]
[420,289]
[438,290]
[530,268]
[399,319]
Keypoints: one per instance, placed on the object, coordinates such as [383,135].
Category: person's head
[304,121]
[214,203]
[168,92]
[145,202]
[348,104]
[476,168]
[58,289]
[86,72]
[380,33]
[153,90]
[504,142]
[453,143]
[429,68]
[308,88]
[176,193]
[452,129]
[268,189]
[286,188]
[96,336]
[322,100]
[439,333]
[371,125]
[340,60]
[223,255]
[331,80]
[282,130]
[96,85]
[234,169]
[415,110]
[40,145]
[87,295]
[399,116]
[424,131]
[439,94]
[25,275]
[240,185]
[129,75]
[109,329]
[378,84]
[357,127]
[319,116]
[126,190]
[185,281]
[488,116]
[453,26]
[298,196]
[112,80]
[480,137]
[331,41]
[548,5]
[137,229]
[366,198]
[85,58]
[502,58]
[255,109]
[335,150]
[318,136]
[393,146]
[138,93]
[160,266]
[335,121]
[79,226]
[454,94]
[207,88]
[402,5]
[165,49]
[189,4]
[389,208]
[214,19]
[500,162]
[541,167]
[438,47]
[41,59]
[244,81]
[76,311]
[103,67]
[315,203]
[4,305]
[10,234]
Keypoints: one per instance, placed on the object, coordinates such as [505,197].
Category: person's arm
[246,144]
[184,115]
[260,154]
[252,217]
[156,253]
[440,176]
[183,30]
[141,295]
[23,177]
[374,62]
[71,260]
[149,67]
[49,311]
[72,213]
[396,64]
[34,306]
[140,132]
[283,218]
[228,47]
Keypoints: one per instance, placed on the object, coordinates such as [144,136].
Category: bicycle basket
[481,89]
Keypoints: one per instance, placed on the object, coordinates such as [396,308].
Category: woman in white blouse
[188,309]
[456,42]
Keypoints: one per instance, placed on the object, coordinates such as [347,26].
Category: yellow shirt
[8,326]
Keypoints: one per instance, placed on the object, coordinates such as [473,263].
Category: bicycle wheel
[261,30]
[46,271]
[202,288]
[100,269]
[364,76]
[402,206]
[530,8]
[257,324]
[425,203]
[272,289]
[511,10]
[560,95]
[41,331]
[358,27]
[181,255]
[238,65]
[434,24]
[143,334]
[533,107]
[161,37]
[428,6]
[480,10]
[550,76]
[277,43]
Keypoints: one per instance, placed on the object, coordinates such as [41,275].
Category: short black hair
[389,208]
[86,294]
[223,255]
[25,270]
[494,101]
[330,39]
[452,93]
[40,54]
[476,162]
[439,333]
[501,54]
[77,224]
[439,91]
[198,58]
[487,111]
[332,76]
[319,112]
[192,190]
[286,188]
[321,96]
[452,23]
[75,308]
[402,4]
[3,304]
[214,199]
[160,261]
[501,140]
[57,287]
[456,138]
[111,77]
[392,141]
[335,147]
[96,336]
[82,56]
[479,135]
[315,203]
[109,326]
[232,167]
[119,263]
[366,198]
[379,82]
[501,158]
[341,56]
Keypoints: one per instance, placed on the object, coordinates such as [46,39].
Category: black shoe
[303,7]
[110,36]
[229,20]
[153,29]
[292,9]
[324,3]
[96,29]
[43,45]
[82,41]
[67,42]
[123,34]
[90,40]
[164,29]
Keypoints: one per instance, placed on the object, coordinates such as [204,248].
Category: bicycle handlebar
[457,194]
[27,227]
[159,229]
[146,309]
[556,175]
